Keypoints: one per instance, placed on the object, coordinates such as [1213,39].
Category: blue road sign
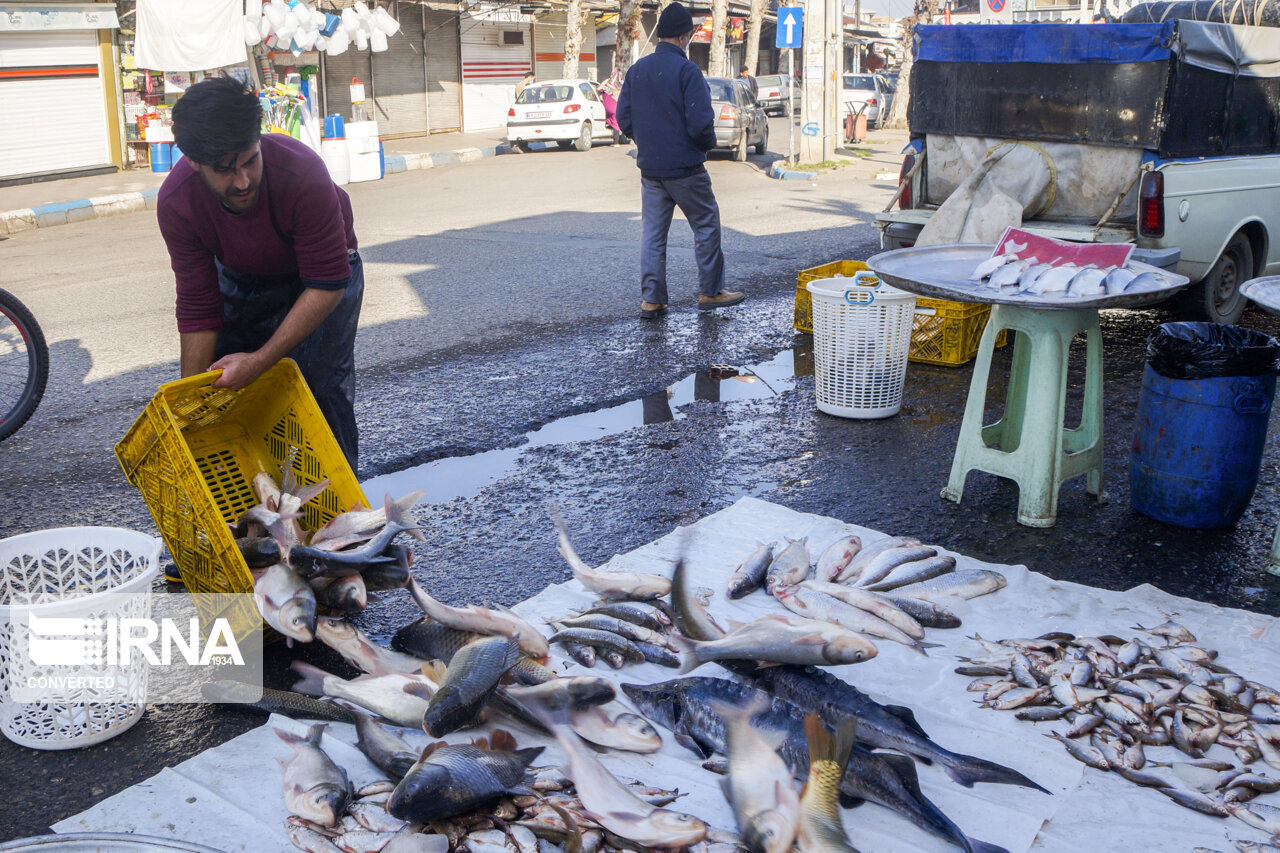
[790,26]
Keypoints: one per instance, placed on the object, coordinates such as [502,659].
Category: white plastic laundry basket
[65,572]
[861,339]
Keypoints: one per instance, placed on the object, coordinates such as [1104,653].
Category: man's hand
[239,369]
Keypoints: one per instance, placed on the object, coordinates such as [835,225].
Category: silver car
[740,122]
[773,92]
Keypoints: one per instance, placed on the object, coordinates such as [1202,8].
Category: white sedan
[568,112]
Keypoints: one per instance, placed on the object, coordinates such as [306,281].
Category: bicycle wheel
[24,364]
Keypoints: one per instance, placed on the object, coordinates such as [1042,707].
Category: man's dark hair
[742,70]
[216,119]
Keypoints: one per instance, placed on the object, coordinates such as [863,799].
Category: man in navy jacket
[665,107]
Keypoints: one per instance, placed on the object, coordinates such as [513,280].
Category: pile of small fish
[891,589]
[337,566]
[1122,696]
[1008,274]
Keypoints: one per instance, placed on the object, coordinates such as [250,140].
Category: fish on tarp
[621,627]
[964,584]
[361,652]
[750,573]
[930,614]
[628,732]
[286,603]
[819,827]
[759,786]
[601,641]
[872,602]
[398,699]
[780,639]
[634,586]
[574,692]
[271,701]
[789,567]
[853,572]
[836,557]
[684,706]
[812,604]
[691,617]
[471,677]
[644,614]
[609,802]
[879,726]
[385,748]
[909,573]
[451,780]
[483,620]
[314,787]
[389,575]
[884,563]
[427,639]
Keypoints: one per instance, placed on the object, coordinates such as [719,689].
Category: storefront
[548,47]
[497,50]
[414,87]
[58,91]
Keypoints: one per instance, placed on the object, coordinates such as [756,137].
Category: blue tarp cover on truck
[1060,44]
[1179,88]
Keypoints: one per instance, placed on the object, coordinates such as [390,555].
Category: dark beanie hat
[675,20]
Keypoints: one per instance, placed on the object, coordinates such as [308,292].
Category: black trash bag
[1211,351]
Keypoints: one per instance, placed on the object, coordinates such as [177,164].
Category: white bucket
[861,340]
[337,158]
[63,573]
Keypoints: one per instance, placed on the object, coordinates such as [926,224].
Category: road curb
[62,213]
[776,170]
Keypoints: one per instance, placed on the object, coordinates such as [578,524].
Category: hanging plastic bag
[383,21]
[338,43]
[378,41]
[1211,351]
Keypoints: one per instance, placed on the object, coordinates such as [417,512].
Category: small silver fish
[1055,280]
[1031,274]
[1087,282]
[1008,275]
[990,265]
[1117,280]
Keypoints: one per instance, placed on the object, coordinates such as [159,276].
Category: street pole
[791,106]
[814,115]
[832,64]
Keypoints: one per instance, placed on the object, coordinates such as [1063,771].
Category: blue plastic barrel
[161,157]
[1198,447]
[334,128]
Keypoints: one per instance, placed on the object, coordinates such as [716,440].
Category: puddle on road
[464,476]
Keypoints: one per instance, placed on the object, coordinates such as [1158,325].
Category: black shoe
[172,574]
[652,313]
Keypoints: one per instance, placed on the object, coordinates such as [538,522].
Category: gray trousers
[659,198]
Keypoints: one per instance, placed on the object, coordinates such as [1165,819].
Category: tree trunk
[628,34]
[924,13]
[572,39]
[719,26]
[753,35]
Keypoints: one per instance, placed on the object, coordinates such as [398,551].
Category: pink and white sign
[1047,250]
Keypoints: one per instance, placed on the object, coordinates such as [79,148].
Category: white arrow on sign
[791,26]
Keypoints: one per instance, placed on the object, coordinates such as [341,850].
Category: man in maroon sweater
[264,253]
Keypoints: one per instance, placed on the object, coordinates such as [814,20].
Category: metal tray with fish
[942,272]
[1265,292]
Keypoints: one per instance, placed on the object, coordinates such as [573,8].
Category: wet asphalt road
[629,488]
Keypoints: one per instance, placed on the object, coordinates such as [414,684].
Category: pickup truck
[1165,135]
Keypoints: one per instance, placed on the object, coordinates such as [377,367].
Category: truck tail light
[905,201]
[728,113]
[1151,205]
[511,113]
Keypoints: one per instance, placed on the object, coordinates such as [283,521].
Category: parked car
[773,90]
[871,89]
[740,122]
[568,112]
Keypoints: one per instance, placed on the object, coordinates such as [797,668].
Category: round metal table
[1029,444]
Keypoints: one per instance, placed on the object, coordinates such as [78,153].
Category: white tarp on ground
[230,797]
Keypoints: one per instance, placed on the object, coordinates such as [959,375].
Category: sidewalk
[68,200]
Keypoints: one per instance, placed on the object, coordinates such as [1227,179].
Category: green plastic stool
[1030,444]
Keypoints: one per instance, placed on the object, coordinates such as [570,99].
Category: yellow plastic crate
[942,332]
[195,449]
[948,333]
[804,303]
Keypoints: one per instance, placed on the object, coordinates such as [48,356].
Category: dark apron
[254,306]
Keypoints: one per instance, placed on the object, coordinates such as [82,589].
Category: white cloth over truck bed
[230,797]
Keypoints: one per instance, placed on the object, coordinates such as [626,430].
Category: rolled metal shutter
[444,74]
[338,71]
[51,89]
[399,98]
